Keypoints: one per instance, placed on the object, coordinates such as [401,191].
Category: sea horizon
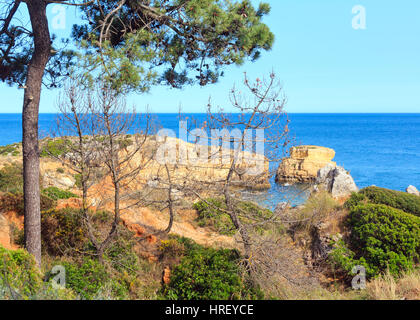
[380,149]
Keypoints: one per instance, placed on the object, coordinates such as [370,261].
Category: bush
[54,147]
[10,150]
[121,254]
[396,199]
[14,202]
[387,238]
[11,178]
[317,208]
[210,214]
[86,278]
[56,193]
[208,274]
[19,272]
[63,232]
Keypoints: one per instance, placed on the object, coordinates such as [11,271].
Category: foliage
[78,180]
[355,199]
[121,254]
[86,278]
[55,147]
[208,274]
[19,271]
[382,238]
[319,206]
[11,178]
[56,193]
[60,170]
[210,213]
[10,150]
[63,232]
[192,49]
[14,202]
[387,237]
[396,199]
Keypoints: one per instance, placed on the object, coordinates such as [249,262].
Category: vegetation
[11,178]
[10,150]
[382,239]
[396,199]
[213,213]
[387,287]
[56,193]
[207,274]
[14,202]
[54,147]
[63,232]
[21,278]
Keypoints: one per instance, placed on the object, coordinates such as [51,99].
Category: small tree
[118,38]
[95,124]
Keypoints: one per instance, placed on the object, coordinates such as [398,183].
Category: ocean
[377,149]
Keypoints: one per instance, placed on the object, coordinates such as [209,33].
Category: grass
[387,287]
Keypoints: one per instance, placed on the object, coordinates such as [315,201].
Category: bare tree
[95,124]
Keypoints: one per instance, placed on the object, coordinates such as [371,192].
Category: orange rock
[74,203]
[5,234]
[15,219]
[304,164]
[166,277]
[151,239]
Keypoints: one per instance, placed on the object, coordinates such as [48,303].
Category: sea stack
[304,163]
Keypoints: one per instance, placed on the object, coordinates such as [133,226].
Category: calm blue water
[379,149]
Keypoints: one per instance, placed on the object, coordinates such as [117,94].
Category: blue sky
[324,64]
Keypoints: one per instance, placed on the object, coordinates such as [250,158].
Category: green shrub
[86,278]
[78,179]
[355,200]
[60,170]
[121,254]
[343,260]
[211,214]
[396,199]
[208,274]
[19,272]
[54,147]
[11,178]
[385,237]
[10,150]
[56,193]
[63,232]
[21,279]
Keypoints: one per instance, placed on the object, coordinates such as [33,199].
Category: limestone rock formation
[304,163]
[335,180]
[413,190]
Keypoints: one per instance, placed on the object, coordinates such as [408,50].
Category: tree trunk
[36,68]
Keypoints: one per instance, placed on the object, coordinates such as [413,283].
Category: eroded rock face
[335,180]
[413,190]
[304,163]
[5,235]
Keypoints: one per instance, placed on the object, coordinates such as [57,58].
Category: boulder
[304,163]
[335,180]
[413,190]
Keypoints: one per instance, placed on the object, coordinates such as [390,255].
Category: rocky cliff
[304,163]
